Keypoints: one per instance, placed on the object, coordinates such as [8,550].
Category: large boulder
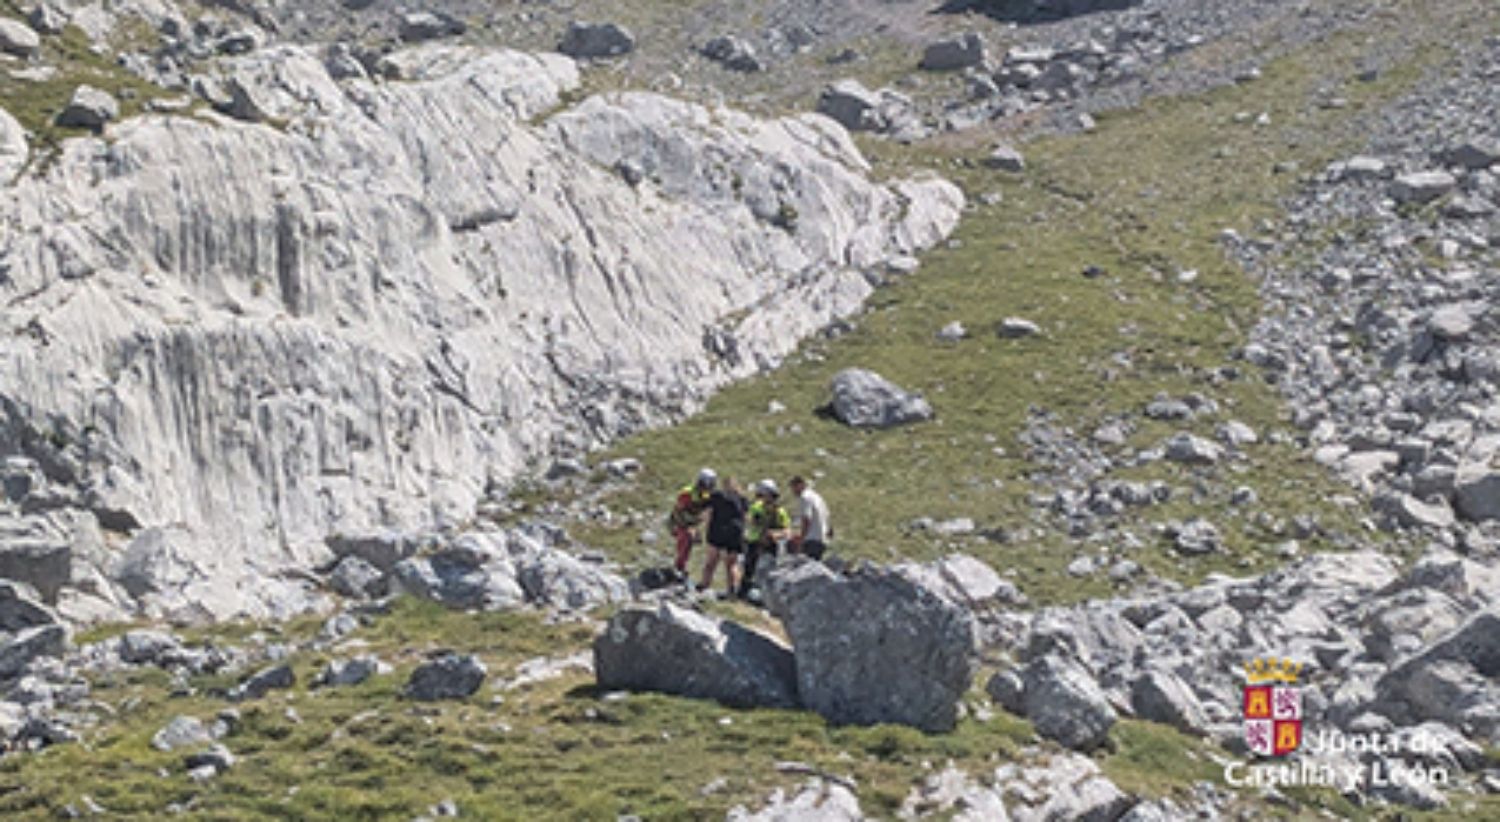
[873,646]
[864,399]
[673,650]
[1065,704]
[596,40]
[1456,681]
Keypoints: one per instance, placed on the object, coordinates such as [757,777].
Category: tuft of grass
[1153,760]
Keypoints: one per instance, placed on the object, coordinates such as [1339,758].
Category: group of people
[719,514]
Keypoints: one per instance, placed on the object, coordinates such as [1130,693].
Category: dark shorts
[734,544]
[814,548]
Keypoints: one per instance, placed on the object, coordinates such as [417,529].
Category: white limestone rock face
[356,314]
[13,147]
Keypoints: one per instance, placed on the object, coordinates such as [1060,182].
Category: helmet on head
[768,488]
[707,478]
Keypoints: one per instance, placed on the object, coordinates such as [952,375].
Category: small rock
[18,39]
[588,40]
[1012,328]
[451,676]
[965,51]
[217,757]
[1006,158]
[732,53]
[353,577]
[89,108]
[1162,697]
[262,683]
[420,26]
[1192,450]
[1198,536]
[1422,186]
[953,332]
[1475,154]
[181,732]
[345,672]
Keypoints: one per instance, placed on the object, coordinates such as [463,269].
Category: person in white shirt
[813,530]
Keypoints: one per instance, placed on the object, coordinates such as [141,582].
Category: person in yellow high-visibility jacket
[766,525]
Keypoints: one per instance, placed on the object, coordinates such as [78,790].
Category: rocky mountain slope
[356,306]
[397,317]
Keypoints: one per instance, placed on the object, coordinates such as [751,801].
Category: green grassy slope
[1145,198]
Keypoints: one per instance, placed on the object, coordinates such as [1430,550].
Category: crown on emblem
[1261,671]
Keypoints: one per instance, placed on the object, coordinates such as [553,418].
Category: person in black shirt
[726,533]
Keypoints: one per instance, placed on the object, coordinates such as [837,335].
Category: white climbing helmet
[707,478]
[767,487]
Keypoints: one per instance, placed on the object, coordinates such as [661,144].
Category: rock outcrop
[874,646]
[372,301]
[673,650]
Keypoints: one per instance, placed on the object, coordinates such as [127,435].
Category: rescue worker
[767,525]
[687,516]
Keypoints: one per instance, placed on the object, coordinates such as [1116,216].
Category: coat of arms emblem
[1272,707]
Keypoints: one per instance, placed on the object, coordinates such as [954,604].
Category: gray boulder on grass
[673,650]
[873,646]
[732,53]
[89,108]
[961,52]
[864,399]
[181,732]
[451,676]
[276,677]
[596,40]
[852,105]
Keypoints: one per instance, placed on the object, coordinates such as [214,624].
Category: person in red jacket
[687,516]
